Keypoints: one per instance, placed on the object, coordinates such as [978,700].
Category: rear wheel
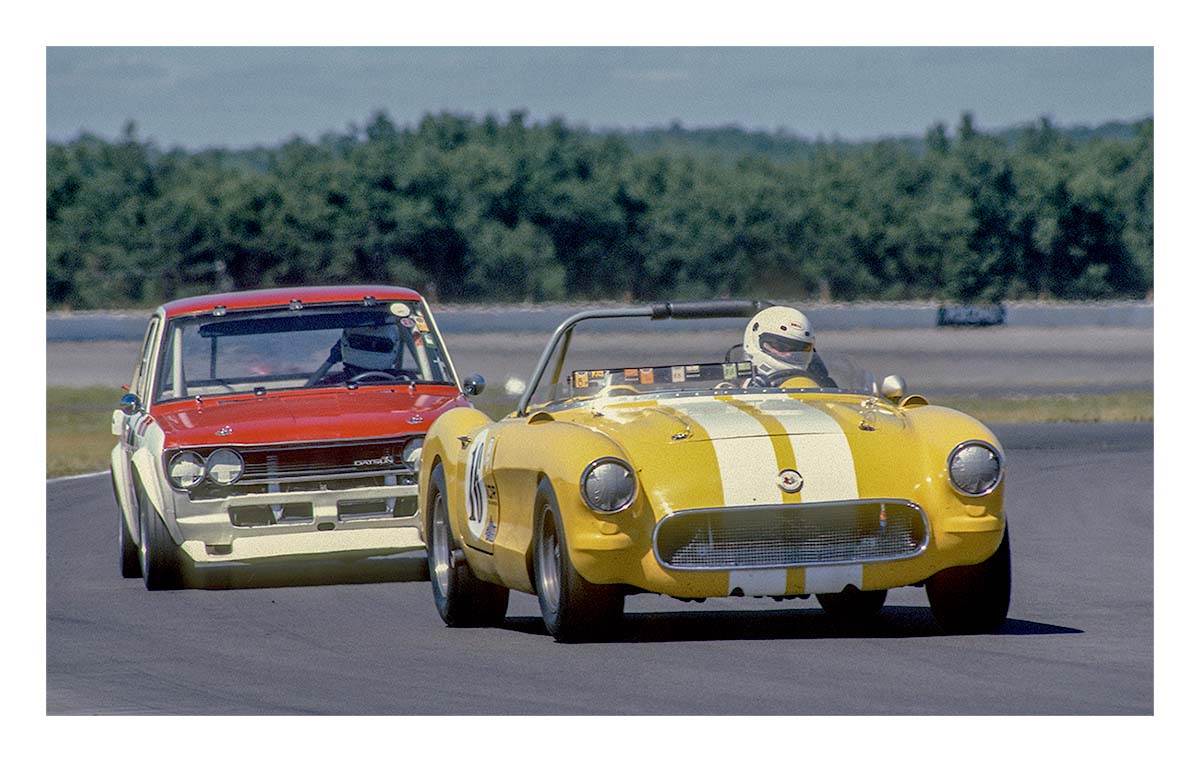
[853,606]
[462,599]
[131,567]
[158,555]
[573,609]
[973,599]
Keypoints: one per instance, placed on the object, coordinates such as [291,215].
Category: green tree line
[498,209]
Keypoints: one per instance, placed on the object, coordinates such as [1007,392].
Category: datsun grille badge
[790,481]
[386,460]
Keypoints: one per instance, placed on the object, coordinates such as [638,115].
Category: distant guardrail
[459,319]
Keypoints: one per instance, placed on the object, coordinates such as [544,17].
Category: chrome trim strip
[995,451]
[798,507]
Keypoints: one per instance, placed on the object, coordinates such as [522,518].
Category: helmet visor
[794,351]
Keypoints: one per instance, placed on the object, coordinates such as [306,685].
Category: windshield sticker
[692,371]
[581,379]
[729,371]
[400,309]
[631,374]
[421,325]
[677,374]
[646,375]
[407,322]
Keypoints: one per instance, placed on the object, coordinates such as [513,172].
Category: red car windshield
[269,350]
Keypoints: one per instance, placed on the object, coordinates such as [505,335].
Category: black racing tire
[573,609]
[131,567]
[462,599]
[853,606]
[973,599]
[158,555]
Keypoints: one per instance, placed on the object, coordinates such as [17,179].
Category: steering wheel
[389,375]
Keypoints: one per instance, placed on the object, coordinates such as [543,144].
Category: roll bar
[720,308]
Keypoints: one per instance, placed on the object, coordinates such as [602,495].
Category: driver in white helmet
[361,350]
[779,342]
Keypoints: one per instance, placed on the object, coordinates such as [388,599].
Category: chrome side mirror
[893,388]
[129,404]
[473,385]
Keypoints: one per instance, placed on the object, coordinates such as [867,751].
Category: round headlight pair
[187,469]
[975,468]
[608,485]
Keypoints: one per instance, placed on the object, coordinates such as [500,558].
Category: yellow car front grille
[857,531]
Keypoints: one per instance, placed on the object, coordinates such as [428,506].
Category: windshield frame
[164,363]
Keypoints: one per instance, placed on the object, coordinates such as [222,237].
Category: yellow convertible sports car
[700,479]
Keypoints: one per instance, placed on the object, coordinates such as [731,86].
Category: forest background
[493,209]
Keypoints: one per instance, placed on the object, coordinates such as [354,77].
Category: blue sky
[206,96]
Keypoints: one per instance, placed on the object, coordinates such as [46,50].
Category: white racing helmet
[779,338]
[370,347]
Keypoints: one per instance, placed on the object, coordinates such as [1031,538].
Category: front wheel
[462,599]
[573,609]
[158,555]
[973,599]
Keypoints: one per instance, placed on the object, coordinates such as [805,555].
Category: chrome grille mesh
[790,535]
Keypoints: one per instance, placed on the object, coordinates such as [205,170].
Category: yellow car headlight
[608,485]
[975,468]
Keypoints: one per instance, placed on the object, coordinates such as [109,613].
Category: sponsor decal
[691,371]
[729,371]
[489,534]
[408,323]
[421,324]
[646,375]
[790,481]
[581,379]
[400,309]
[631,374]
[597,374]
[677,374]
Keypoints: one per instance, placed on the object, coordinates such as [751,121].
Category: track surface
[364,638]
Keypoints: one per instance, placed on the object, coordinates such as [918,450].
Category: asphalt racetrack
[364,638]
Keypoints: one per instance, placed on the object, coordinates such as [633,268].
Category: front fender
[443,445]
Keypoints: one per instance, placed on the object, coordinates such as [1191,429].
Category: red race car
[278,424]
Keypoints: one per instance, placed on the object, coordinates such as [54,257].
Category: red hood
[305,415]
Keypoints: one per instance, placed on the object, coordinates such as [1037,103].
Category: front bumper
[607,555]
[306,523]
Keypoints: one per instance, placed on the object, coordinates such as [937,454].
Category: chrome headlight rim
[414,447]
[993,449]
[208,466]
[591,467]
[198,461]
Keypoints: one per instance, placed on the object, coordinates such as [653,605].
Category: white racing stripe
[745,457]
[758,581]
[832,579]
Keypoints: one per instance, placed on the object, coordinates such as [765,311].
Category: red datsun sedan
[277,424]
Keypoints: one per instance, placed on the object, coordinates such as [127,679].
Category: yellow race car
[696,480]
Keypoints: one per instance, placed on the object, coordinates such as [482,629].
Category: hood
[304,415]
[734,450]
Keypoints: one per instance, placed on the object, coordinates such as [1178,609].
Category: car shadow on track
[360,571]
[780,624]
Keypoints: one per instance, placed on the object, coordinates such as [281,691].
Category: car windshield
[631,356]
[269,350]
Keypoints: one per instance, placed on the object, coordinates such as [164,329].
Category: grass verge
[79,437]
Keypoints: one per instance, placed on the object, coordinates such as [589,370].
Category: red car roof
[273,297]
